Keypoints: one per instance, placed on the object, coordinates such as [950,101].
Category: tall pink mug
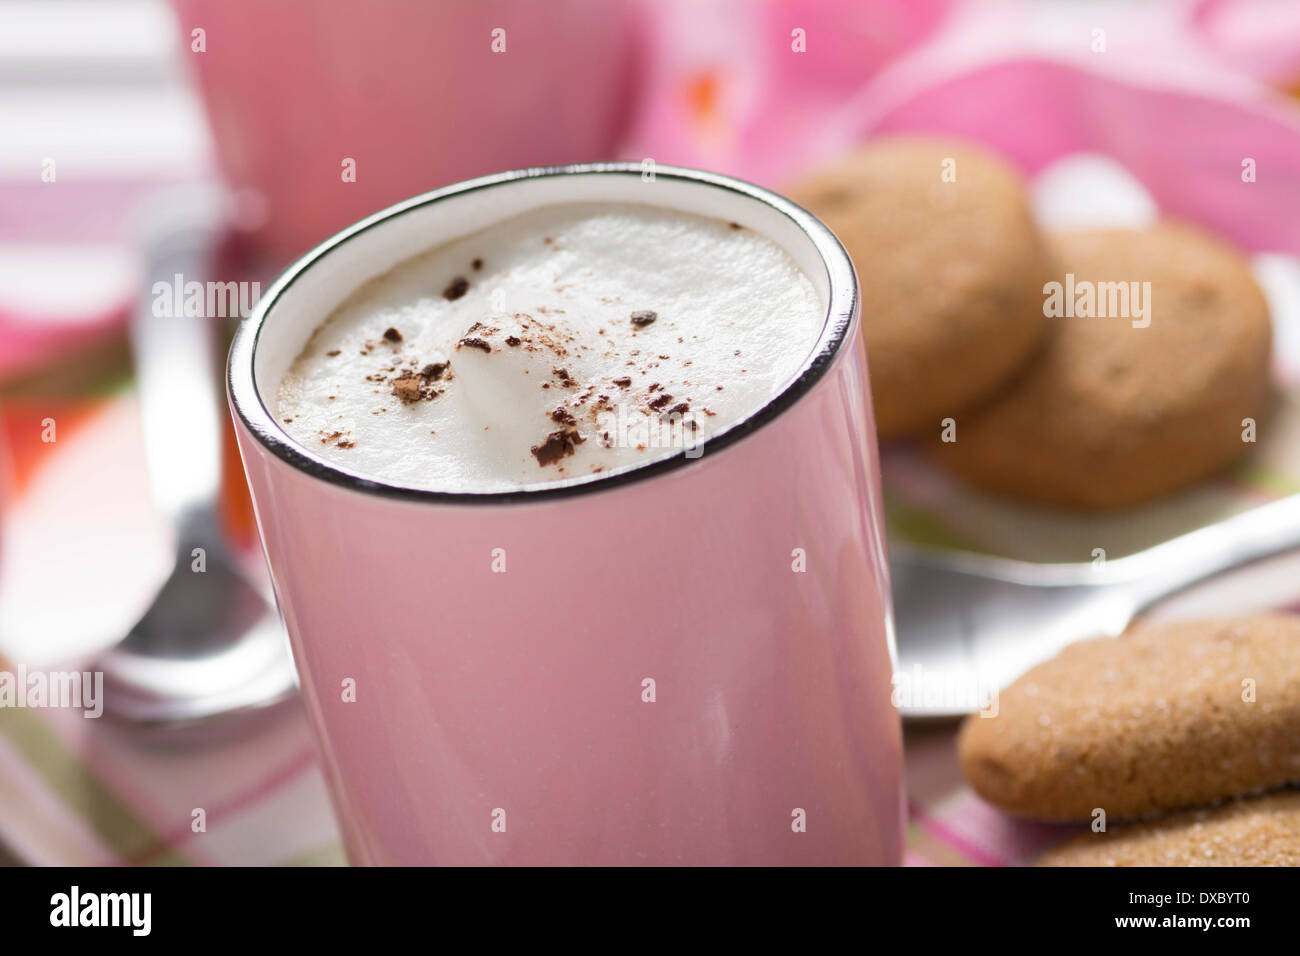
[686,662]
[329,110]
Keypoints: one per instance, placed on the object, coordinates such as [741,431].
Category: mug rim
[245,398]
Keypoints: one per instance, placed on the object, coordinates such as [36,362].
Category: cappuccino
[570,340]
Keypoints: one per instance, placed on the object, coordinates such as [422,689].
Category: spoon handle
[1175,564]
[175,364]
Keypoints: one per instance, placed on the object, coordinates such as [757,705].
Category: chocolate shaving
[623,382]
[433,371]
[643,318]
[456,288]
[513,340]
[392,335]
[408,388]
[661,401]
[474,342]
[558,444]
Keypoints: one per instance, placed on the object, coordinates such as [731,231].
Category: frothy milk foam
[572,339]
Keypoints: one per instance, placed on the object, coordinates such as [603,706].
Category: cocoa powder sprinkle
[455,289]
[407,388]
[558,444]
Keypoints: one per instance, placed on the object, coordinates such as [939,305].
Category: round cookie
[1168,715]
[951,271]
[1261,831]
[1112,413]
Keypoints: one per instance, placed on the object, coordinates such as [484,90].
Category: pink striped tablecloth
[83,552]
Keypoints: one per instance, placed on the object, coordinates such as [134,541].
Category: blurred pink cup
[408,94]
[501,718]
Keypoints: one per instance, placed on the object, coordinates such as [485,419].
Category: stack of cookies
[1093,371]
[1162,740]
[1090,370]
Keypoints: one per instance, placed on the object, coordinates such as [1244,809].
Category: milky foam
[569,340]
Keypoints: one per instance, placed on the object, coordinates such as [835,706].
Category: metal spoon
[210,643]
[969,624]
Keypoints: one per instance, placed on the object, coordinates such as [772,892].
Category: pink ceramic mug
[330,109]
[506,717]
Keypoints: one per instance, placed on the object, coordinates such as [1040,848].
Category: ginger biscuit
[1166,716]
[1258,831]
[1121,409]
[951,265]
